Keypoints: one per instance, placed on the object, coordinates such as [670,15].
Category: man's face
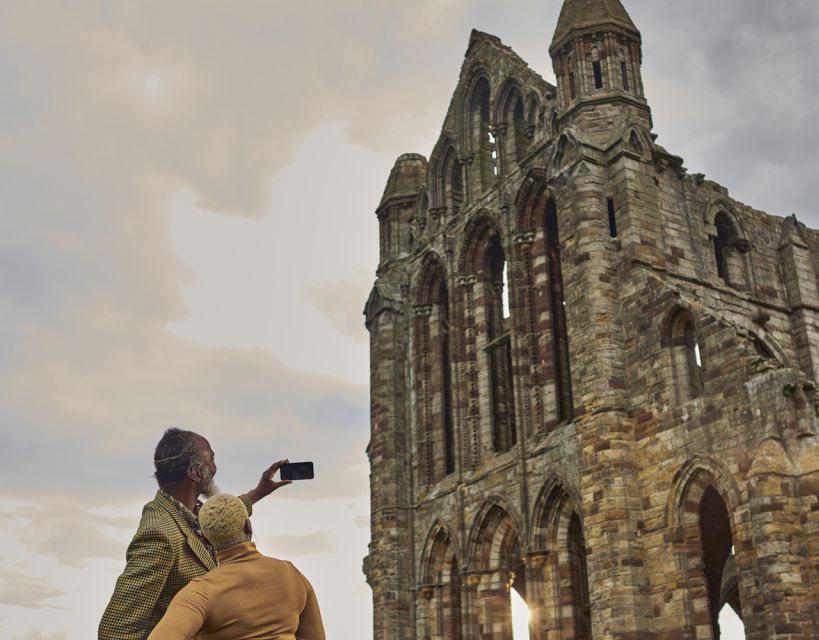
[207,470]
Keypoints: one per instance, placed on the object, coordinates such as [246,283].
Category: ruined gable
[593,373]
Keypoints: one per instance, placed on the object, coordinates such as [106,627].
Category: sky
[188,237]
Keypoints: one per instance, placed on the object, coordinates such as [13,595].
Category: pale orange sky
[187,237]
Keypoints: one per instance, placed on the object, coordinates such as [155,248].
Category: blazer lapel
[200,550]
[194,543]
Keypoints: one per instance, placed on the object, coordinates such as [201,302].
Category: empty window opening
[598,74]
[557,300]
[446,379]
[730,624]
[505,290]
[572,88]
[686,356]
[624,71]
[450,181]
[718,560]
[520,616]
[531,117]
[612,218]
[730,263]
[499,349]
[481,140]
[433,378]
[580,581]
[494,153]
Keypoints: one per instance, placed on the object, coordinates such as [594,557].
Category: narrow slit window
[624,71]
[612,218]
[572,89]
[598,74]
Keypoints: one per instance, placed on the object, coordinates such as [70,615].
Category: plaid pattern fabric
[163,557]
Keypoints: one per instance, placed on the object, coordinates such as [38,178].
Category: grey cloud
[286,545]
[23,590]
[733,91]
[66,530]
[92,417]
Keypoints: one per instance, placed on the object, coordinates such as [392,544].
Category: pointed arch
[496,558]
[730,244]
[532,114]
[480,136]
[484,259]
[703,502]
[636,142]
[558,576]
[679,335]
[438,602]
[432,369]
[511,122]
[542,301]
[446,176]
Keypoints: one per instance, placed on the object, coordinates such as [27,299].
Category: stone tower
[592,373]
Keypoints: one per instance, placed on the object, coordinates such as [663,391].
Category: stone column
[389,565]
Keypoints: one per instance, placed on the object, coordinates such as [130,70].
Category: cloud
[287,545]
[733,91]
[23,590]
[66,530]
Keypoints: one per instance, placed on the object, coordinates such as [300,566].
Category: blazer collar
[196,545]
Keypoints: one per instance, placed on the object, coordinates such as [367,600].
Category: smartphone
[296,471]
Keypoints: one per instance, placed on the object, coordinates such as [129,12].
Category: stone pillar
[389,565]
[611,502]
[803,297]
[779,549]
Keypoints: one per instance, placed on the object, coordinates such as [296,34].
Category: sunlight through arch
[730,624]
[520,616]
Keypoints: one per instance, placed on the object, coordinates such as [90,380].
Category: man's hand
[266,484]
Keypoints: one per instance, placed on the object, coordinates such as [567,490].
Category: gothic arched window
[557,303]
[433,379]
[685,354]
[481,138]
[727,245]
[499,347]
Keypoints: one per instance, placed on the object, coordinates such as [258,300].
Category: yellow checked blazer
[164,556]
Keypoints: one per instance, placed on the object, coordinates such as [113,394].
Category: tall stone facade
[593,374]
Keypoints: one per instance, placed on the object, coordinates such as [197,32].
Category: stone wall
[632,444]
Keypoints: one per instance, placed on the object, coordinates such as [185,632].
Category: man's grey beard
[210,489]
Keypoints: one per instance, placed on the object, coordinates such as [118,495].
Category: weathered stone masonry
[631,442]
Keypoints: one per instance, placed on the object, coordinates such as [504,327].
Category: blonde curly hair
[222,519]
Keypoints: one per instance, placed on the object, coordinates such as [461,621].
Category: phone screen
[297,471]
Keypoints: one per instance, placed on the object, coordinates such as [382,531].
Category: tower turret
[400,204]
[596,54]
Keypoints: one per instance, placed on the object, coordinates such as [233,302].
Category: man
[168,549]
[247,596]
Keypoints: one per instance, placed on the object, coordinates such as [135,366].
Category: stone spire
[588,15]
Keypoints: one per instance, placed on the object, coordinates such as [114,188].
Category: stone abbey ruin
[630,441]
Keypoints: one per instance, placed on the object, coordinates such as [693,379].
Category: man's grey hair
[177,453]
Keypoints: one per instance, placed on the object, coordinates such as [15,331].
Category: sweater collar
[237,552]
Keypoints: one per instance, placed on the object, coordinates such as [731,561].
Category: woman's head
[224,521]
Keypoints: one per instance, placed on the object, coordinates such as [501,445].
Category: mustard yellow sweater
[247,596]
